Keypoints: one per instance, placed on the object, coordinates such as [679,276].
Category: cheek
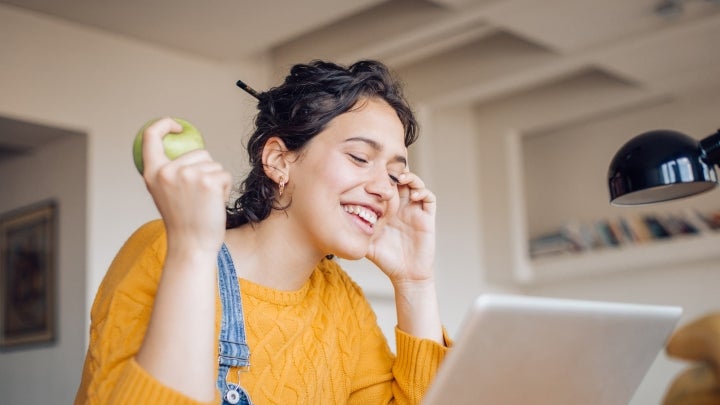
[336,177]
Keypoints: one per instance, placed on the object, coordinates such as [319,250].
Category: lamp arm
[710,149]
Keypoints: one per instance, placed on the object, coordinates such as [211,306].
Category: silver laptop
[514,349]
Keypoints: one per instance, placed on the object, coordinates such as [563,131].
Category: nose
[380,185]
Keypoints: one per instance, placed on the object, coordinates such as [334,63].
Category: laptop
[514,349]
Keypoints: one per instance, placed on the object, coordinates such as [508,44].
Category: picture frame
[28,248]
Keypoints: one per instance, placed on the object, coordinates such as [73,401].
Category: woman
[329,177]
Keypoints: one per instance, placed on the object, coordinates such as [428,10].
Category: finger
[153,150]
[218,180]
[191,168]
[403,192]
[423,195]
[223,179]
[416,192]
[411,180]
[426,199]
[410,185]
[194,157]
[226,181]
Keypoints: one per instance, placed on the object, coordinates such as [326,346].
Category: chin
[347,246]
[350,253]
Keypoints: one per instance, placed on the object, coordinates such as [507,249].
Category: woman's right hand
[190,192]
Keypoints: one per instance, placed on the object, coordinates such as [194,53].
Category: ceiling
[218,29]
[500,53]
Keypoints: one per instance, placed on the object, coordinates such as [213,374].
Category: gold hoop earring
[281,186]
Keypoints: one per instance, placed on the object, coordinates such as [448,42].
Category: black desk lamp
[663,165]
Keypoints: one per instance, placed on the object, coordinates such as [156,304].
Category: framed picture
[28,247]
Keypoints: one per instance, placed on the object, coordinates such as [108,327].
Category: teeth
[362,212]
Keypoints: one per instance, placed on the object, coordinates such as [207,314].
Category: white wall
[57,171]
[106,86]
[450,165]
[109,86]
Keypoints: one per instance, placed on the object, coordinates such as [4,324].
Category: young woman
[247,304]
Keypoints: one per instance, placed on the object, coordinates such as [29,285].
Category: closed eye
[395,180]
[357,158]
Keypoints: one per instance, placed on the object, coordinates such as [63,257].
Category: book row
[574,237]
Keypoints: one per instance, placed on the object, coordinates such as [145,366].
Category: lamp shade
[657,166]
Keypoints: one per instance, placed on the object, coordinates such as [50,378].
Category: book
[607,236]
[656,228]
[551,244]
[577,236]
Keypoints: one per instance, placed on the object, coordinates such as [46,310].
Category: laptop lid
[514,349]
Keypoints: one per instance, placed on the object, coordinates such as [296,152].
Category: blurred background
[522,106]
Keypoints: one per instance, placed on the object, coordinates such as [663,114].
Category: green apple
[175,144]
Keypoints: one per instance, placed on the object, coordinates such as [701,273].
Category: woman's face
[343,183]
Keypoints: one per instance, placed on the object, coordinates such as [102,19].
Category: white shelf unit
[652,254]
[671,251]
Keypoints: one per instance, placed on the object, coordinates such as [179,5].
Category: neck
[273,253]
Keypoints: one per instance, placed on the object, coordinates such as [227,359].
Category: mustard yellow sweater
[318,345]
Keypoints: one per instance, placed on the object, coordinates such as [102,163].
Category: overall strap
[233,350]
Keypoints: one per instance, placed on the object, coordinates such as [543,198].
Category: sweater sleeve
[383,378]
[119,318]
[415,366]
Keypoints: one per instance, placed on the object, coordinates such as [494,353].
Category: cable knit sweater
[317,345]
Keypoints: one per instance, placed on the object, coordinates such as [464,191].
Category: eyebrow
[375,145]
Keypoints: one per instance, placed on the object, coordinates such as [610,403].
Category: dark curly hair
[309,98]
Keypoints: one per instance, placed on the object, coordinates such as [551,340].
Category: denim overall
[232,349]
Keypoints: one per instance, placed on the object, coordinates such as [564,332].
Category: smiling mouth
[366,214]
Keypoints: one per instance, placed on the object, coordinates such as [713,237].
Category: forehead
[370,118]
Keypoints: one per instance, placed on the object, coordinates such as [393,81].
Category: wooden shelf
[652,254]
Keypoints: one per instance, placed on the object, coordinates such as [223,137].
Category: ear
[275,159]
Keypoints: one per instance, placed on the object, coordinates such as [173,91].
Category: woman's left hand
[404,248]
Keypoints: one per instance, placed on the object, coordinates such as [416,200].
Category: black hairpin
[248,89]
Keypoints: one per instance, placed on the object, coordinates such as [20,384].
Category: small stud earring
[281,186]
